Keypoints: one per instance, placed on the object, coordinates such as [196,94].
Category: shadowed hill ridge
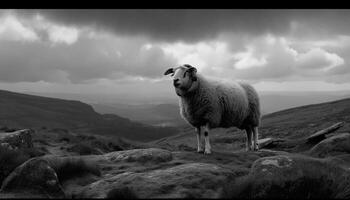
[30,111]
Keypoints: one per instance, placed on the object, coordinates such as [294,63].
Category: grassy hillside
[305,120]
[292,123]
[29,111]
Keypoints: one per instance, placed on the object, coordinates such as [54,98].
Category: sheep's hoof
[200,151]
[256,148]
[207,152]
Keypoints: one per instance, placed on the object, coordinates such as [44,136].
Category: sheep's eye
[172,74]
[185,74]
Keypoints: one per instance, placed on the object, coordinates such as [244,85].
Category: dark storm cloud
[86,59]
[130,45]
[195,25]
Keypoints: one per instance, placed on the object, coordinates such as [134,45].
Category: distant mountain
[164,111]
[30,111]
[169,115]
[157,115]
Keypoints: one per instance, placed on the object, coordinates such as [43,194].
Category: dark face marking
[183,78]
[169,71]
[205,133]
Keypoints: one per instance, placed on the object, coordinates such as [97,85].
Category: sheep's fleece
[221,104]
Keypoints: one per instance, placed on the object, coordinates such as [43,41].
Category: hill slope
[292,123]
[168,113]
[158,115]
[29,111]
[305,120]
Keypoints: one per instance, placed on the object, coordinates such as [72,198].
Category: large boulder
[335,145]
[196,180]
[140,155]
[292,176]
[35,176]
[17,139]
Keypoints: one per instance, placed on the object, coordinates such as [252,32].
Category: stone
[35,176]
[264,142]
[140,155]
[191,180]
[320,135]
[18,139]
[293,176]
[335,145]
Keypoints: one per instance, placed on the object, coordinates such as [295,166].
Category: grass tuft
[69,168]
[121,193]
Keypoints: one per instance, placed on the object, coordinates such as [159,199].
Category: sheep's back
[234,104]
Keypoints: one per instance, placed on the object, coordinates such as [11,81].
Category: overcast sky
[125,52]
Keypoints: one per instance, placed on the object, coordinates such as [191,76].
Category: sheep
[206,104]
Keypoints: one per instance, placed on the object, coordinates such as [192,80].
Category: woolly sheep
[206,104]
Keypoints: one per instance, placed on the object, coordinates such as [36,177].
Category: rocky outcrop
[35,176]
[196,180]
[140,155]
[275,171]
[293,176]
[17,139]
[335,145]
[320,135]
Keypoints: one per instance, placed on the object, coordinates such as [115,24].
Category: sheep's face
[183,77]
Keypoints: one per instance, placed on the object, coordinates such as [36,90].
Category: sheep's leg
[206,138]
[249,139]
[255,135]
[199,141]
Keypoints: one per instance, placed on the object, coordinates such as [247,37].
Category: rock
[140,155]
[35,176]
[293,176]
[22,195]
[84,149]
[335,145]
[196,180]
[6,145]
[18,139]
[74,165]
[264,142]
[320,135]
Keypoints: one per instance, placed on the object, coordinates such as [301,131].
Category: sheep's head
[184,78]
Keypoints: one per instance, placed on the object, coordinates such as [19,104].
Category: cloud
[89,58]
[318,59]
[194,25]
[12,29]
[35,28]
[267,57]
[247,60]
[125,46]
[282,61]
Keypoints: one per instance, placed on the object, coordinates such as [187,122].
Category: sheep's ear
[193,71]
[169,71]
